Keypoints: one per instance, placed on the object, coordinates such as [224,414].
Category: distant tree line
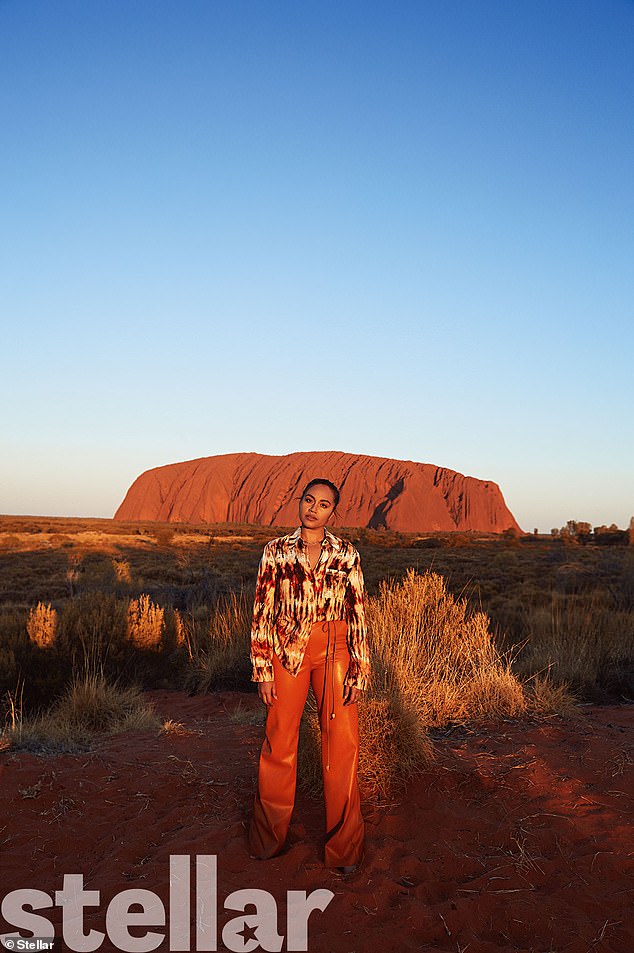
[580,532]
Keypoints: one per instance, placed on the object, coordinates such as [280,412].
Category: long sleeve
[263,619]
[359,669]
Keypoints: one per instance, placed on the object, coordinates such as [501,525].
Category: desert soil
[519,838]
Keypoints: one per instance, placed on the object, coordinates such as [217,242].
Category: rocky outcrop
[376,492]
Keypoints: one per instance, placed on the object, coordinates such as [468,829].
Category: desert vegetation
[89,708]
[462,627]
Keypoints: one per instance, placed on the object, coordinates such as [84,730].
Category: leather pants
[324,665]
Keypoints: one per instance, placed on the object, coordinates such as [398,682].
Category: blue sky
[402,229]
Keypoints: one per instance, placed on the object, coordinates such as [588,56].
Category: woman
[309,628]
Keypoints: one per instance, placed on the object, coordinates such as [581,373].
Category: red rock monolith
[376,492]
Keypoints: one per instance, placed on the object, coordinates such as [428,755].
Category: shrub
[440,661]
[432,662]
[547,697]
[93,625]
[41,625]
[15,646]
[164,536]
[146,622]
[583,642]
[89,708]
[122,571]
[179,628]
[222,656]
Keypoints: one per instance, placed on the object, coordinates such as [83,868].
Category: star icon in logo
[247,933]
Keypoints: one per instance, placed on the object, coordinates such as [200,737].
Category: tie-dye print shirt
[290,597]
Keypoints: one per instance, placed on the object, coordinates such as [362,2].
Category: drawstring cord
[326,627]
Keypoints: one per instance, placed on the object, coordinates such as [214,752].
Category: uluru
[376,492]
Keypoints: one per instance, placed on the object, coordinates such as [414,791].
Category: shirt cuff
[356,678]
[263,673]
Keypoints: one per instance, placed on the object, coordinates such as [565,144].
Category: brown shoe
[350,869]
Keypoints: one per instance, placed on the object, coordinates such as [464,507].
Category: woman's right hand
[267,693]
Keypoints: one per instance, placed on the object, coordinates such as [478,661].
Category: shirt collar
[332,540]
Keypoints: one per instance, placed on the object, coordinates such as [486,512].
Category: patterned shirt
[290,597]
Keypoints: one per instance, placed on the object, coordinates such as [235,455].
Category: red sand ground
[519,839]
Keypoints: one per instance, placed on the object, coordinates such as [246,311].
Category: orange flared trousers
[324,665]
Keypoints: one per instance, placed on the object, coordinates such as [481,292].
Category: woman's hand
[267,693]
[350,694]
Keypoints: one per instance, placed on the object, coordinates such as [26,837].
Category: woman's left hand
[350,694]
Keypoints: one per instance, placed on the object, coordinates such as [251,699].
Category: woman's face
[316,506]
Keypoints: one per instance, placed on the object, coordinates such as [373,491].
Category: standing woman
[309,628]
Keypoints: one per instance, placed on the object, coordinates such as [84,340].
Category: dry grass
[580,639]
[515,582]
[394,746]
[146,623]
[434,662]
[42,625]
[89,709]
[545,697]
[95,621]
[171,727]
[248,716]
[436,656]
[13,714]
[221,655]
[122,570]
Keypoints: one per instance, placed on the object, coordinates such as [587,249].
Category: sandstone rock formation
[376,492]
